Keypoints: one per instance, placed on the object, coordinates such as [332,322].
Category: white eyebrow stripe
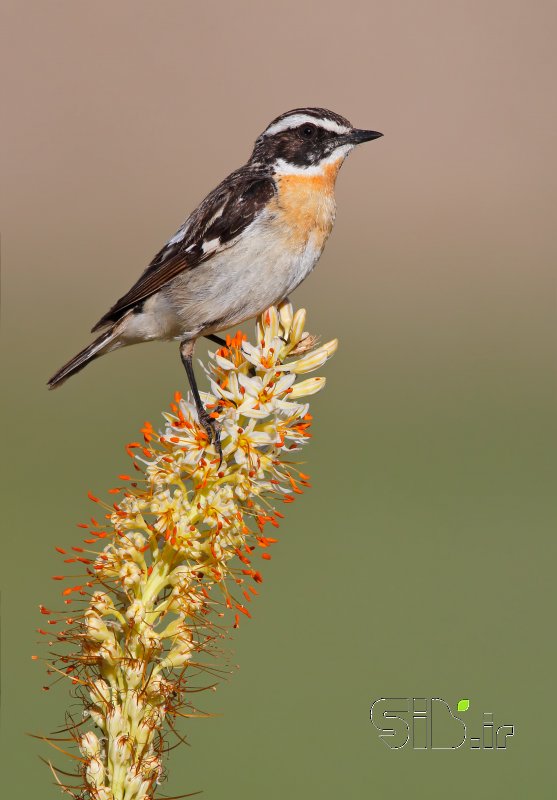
[301,119]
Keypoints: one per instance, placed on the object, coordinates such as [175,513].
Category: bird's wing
[213,227]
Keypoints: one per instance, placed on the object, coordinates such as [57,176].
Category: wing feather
[217,222]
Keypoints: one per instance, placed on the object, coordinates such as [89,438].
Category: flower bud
[180,575]
[177,657]
[130,574]
[134,670]
[173,628]
[158,689]
[286,315]
[100,691]
[135,612]
[297,326]
[151,767]
[89,745]
[134,781]
[115,722]
[95,628]
[119,750]
[95,772]
[150,640]
[315,359]
[110,652]
[310,386]
[271,324]
[101,603]
[98,718]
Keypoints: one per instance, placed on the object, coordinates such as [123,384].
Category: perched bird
[249,244]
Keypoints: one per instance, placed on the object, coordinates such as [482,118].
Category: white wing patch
[218,213]
[178,236]
[210,246]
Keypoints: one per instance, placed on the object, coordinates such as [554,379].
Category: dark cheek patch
[294,149]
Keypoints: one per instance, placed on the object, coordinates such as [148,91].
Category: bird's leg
[216,339]
[206,421]
[221,343]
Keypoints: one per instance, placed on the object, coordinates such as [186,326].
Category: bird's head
[307,139]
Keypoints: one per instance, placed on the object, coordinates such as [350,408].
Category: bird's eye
[308,131]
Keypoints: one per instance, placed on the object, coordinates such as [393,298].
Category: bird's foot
[212,429]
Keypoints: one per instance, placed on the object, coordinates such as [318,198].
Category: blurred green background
[422,561]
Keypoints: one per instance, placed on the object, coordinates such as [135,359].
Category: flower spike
[179,553]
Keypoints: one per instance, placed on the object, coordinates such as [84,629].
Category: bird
[246,247]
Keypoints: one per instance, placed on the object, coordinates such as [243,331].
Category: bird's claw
[212,429]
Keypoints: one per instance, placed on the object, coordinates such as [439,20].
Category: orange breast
[306,206]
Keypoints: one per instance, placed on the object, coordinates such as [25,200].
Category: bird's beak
[357,136]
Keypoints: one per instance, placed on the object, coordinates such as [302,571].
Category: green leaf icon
[463,705]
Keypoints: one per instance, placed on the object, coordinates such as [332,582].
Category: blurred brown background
[422,562]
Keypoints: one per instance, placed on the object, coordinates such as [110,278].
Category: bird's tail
[95,349]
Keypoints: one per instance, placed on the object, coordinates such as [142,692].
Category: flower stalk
[176,556]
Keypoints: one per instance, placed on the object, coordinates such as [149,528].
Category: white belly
[260,269]
[256,271]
